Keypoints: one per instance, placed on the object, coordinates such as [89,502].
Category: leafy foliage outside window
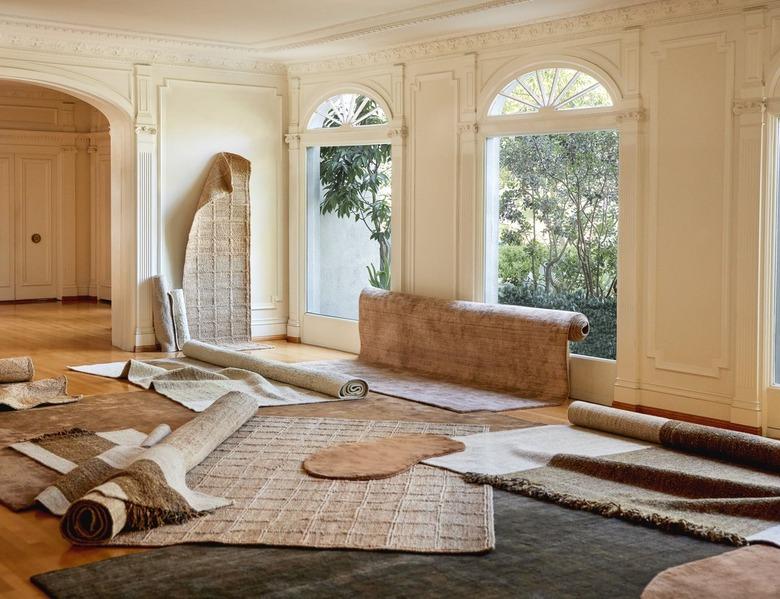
[356,184]
[558,216]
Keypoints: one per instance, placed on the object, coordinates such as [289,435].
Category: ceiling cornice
[361,31]
[611,19]
[42,36]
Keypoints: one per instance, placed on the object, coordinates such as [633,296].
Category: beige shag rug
[22,396]
[274,502]
[216,267]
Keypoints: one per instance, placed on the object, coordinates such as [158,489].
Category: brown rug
[16,370]
[216,266]
[658,487]
[521,353]
[23,396]
[275,502]
[382,458]
[747,572]
[22,478]
[431,390]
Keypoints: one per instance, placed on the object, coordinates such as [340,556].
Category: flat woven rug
[275,502]
[542,552]
[31,394]
[430,389]
[216,265]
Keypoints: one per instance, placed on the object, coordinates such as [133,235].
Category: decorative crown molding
[748,105]
[44,36]
[617,18]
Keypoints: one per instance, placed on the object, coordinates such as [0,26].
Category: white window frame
[593,379]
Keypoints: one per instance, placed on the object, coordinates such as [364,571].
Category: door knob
[36,238]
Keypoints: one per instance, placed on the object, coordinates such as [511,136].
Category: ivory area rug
[216,265]
[22,396]
[275,502]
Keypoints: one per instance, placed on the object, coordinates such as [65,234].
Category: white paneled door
[28,193]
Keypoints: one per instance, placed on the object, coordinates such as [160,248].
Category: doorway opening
[55,197]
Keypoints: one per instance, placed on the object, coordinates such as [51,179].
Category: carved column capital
[632,116]
[748,105]
[293,140]
[146,130]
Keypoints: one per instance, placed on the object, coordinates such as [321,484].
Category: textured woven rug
[674,491]
[542,551]
[216,265]
[429,389]
[275,502]
[22,396]
[16,370]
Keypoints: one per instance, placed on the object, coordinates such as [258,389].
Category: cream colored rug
[16,370]
[275,502]
[22,396]
[216,266]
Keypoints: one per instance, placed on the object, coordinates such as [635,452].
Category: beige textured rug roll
[518,349]
[216,266]
[181,327]
[16,370]
[137,491]
[732,446]
[22,396]
[329,383]
[162,315]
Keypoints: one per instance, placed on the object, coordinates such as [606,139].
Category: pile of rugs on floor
[18,390]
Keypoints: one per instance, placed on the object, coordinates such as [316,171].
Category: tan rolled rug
[162,315]
[16,370]
[299,375]
[22,396]
[732,446]
[746,572]
[463,355]
[216,266]
[139,490]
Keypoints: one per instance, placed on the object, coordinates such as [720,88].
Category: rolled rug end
[92,520]
[354,389]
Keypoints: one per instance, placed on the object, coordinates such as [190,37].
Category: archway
[118,110]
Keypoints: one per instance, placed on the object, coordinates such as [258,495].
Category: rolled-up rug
[162,314]
[16,370]
[329,383]
[731,446]
[151,490]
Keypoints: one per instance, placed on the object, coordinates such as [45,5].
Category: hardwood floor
[57,336]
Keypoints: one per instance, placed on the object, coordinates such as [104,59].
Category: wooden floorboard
[57,336]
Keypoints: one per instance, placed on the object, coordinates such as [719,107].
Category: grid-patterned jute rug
[276,503]
[216,265]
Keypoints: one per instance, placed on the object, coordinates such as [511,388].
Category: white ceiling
[293,30]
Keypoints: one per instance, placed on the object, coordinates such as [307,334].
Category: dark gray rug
[542,550]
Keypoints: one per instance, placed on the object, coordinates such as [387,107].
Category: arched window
[347,110]
[552,88]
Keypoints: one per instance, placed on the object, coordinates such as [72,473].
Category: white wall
[199,120]
[688,106]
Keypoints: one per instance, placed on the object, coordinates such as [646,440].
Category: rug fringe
[609,509]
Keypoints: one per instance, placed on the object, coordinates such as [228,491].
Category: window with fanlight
[548,89]
[552,200]
[349,204]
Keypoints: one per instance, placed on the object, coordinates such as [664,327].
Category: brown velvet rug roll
[381,458]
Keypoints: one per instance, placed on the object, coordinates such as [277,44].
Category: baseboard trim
[46,300]
[146,348]
[292,339]
[73,299]
[278,337]
[743,428]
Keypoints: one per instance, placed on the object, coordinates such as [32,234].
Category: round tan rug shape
[381,458]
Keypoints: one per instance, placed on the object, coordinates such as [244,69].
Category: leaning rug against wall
[216,266]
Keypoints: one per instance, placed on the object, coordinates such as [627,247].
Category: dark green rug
[542,550]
